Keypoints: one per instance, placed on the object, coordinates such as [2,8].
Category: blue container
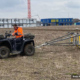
[54,24]
[78,23]
[48,20]
[70,23]
[64,23]
[58,21]
[43,24]
[45,20]
[42,20]
[63,20]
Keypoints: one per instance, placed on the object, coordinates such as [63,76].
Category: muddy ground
[48,63]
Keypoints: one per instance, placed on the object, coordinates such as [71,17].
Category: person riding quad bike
[21,44]
[18,33]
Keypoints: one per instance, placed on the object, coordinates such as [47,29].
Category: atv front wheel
[29,50]
[4,52]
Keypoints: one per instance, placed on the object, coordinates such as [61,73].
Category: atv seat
[1,36]
[29,36]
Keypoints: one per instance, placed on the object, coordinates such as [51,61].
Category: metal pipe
[75,35]
[59,44]
[59,37]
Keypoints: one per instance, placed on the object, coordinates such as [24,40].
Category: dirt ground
[48,63]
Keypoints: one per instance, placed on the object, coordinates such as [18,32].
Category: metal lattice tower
[29,9]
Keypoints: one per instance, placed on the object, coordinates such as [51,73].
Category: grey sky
[44,8]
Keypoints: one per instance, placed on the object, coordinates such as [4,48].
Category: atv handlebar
[8,34]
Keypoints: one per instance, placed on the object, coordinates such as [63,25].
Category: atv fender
[6,43]
[27,42]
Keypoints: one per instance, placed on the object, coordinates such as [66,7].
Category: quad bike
[25,47]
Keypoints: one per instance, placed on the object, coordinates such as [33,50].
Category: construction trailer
[23,22]
[78,23]
[57,21]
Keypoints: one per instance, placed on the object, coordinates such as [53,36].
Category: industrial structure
[23,22]
[57,21]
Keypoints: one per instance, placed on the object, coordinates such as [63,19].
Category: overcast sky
[43,8]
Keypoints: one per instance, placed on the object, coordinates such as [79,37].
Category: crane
[29,9]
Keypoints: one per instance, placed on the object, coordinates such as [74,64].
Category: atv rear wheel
[4,52]
[29,50]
